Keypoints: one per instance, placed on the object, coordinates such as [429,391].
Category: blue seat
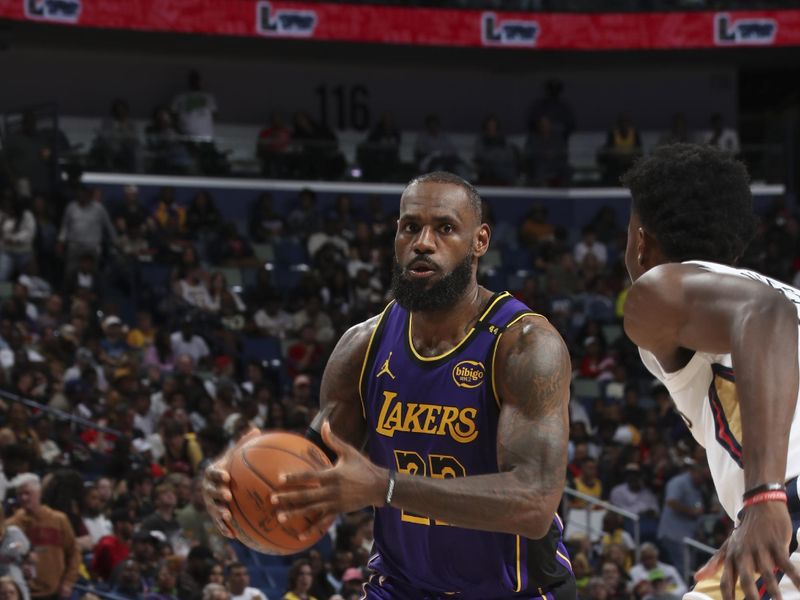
[262,349]
[290,252]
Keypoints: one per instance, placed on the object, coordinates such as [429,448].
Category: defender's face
[435,232]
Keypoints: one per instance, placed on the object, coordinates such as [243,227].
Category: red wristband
[773,496]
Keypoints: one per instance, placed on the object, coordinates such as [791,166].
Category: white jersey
[704,392]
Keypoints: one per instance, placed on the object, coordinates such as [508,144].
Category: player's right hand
[216,487]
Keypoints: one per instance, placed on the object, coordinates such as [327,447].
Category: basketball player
[724,341]
[460,396]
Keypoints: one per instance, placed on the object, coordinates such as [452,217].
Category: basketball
[255,469]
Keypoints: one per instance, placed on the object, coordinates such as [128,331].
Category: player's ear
[481,242]
[648,252]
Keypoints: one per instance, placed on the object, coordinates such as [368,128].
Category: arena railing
[596,502]
[59,414]
[690,549]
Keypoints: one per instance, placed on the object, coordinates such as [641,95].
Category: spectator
[615,580]
[683,506]
[557,111]
[588,483]
[434,151]
[17,233]
[166,206]
[623,146]
[307,355]
[331,237]
[113,346]
[232,248]
[301,579]
[84,228]
[10,589]
[215,591]
[273,145]
[496,159]
[319,155]
[115,547]
[202,217]
[130,211]
[163,518]
[546,155]
[678,132]
[29,152]
[165,587]
[96,523]
[57,554]
[724,138]
[649,563]
[633,495]
[352,581]
[196,110]
[169,154]
[304,219]
[14,549]
[272,320]
[312,315]
[265,222]
[127,581]
[117,146]
[239,584]
[197,527]
[589,244]
[379,154]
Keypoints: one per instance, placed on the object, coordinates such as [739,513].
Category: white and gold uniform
[704,392]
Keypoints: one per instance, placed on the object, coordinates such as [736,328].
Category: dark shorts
[380,587]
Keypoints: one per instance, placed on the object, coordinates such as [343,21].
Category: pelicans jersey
[436,416]
[704,392]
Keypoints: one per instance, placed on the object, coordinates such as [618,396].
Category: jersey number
[438,466]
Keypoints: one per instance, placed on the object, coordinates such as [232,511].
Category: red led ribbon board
[423,26]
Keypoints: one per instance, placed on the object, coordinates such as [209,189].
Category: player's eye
[446,228]
[411,228]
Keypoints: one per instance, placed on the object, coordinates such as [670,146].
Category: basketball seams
[276,451]
[241,512]
[272,487]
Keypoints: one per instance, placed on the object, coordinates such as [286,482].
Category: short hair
[695,200]
[453,179]
[26,479]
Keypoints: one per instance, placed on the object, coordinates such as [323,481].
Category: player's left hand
[352,483]
[759,547]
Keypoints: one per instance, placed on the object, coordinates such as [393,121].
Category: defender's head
[690,202]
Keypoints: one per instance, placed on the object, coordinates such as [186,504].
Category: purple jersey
[437,417]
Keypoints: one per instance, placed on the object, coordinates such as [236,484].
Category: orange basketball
[255,469]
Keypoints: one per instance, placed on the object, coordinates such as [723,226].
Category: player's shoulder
[530,337]
[356,339]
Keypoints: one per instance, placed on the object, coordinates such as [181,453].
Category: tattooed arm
[532,376]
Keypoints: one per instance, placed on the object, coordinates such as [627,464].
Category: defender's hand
[216,488]
[759,547]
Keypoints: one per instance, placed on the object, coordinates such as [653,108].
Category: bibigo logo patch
[469,374]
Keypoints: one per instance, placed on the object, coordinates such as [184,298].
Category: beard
[423,296]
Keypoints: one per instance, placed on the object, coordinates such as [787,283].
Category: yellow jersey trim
[566,558]
[461,343]
[366,358]
[519,569]
[497,343]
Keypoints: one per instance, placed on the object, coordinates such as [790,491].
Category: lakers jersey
[436,416]
[704,392]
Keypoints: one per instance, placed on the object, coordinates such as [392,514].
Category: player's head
[690,202]
[440,236]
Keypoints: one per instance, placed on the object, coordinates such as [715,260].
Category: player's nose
[425,241]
